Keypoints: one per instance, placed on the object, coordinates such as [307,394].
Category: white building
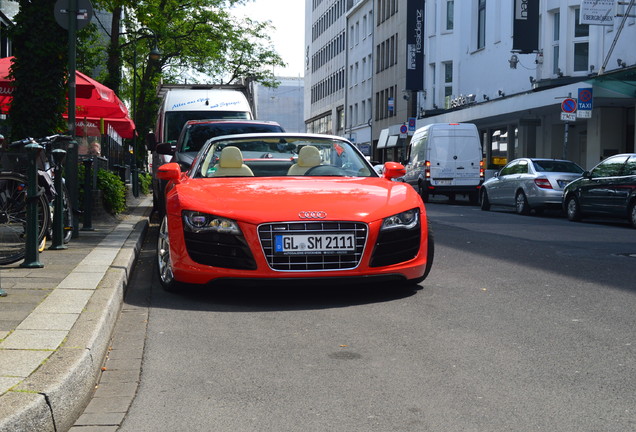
[283,104]
[475,73]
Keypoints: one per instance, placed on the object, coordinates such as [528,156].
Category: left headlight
[405,220]
[197,222]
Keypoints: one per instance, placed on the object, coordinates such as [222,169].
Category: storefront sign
[525,37]
[415,45]
[597,12]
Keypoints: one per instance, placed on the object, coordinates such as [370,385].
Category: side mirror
[587,174]
[393,170]
[170,172]
[168,148]
[151,141]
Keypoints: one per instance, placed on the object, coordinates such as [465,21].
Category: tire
[430,255]
[485,202]
[632,213]
[13,217]
[521,204]
[573,209]
[164,265]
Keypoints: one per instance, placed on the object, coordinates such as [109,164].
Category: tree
[195,37]
[39,71]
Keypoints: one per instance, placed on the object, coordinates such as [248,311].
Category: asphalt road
[524,324]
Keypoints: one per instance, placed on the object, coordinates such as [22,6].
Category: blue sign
[568,106]
[411,124]
[585,101]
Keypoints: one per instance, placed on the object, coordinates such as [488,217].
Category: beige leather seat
[231,164]
[308,157]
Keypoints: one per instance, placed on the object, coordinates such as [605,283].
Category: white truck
[181,103]
[445,159]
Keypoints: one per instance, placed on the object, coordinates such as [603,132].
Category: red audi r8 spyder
[290,207]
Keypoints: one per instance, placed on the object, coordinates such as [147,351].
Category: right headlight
[199,222]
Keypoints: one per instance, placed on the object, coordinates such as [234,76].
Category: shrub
[113,191]
[145,180]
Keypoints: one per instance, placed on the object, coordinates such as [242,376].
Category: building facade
[510,67]
[283,104]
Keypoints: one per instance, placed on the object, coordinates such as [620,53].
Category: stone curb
[55,395]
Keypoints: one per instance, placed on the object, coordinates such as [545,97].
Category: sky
[288,18]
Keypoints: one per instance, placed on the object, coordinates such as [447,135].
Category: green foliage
[145,180]
[113,190]
[40,48]
[91,55]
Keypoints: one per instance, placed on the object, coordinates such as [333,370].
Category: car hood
[258,200]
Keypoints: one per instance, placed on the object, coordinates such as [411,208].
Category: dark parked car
[196,133]
[609,189]
[529,184]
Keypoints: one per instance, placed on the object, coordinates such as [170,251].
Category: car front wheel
[573,209]
[164,264]
[485,202]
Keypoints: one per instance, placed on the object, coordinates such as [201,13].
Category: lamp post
[154,55]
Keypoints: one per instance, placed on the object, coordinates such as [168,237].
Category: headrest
[231,157]
[309,156]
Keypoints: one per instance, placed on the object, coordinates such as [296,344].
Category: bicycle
[13,200]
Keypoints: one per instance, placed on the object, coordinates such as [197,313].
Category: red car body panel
[254,201]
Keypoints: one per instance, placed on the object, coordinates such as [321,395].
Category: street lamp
[154,55]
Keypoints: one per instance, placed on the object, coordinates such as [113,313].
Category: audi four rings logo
[312,214]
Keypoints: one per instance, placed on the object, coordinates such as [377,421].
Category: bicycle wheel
[13,217]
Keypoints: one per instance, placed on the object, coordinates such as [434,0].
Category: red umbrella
[94,101]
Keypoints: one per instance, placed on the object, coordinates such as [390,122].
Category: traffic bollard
[58,209]
[32,253]
[88,195]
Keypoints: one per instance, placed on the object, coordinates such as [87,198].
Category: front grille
[219,250]
[396,246]
[327,261]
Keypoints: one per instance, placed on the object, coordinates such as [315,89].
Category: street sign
[411,124]
[585,103]
[568,117]
[568,105]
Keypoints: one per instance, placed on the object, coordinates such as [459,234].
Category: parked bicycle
[13,197]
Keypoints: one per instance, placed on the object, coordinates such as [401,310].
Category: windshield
[176,119]
[272,156]
[557,166]
[197,134]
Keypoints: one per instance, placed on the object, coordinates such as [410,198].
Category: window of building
[581,43]
[481,24]
[450,14]
[448,79]
[556,29]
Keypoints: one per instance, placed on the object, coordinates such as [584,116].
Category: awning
[94,101]
[392,141]
[384,134]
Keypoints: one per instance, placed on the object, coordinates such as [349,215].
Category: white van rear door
[455,156]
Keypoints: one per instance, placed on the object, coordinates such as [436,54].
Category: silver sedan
[529,184]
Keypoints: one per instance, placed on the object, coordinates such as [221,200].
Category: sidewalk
[56,321]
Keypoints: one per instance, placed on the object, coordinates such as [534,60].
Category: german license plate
[314,244]
[442,182]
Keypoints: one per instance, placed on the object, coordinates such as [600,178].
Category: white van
[181,103]
[445,159]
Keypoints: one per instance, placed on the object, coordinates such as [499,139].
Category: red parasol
[94,101]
